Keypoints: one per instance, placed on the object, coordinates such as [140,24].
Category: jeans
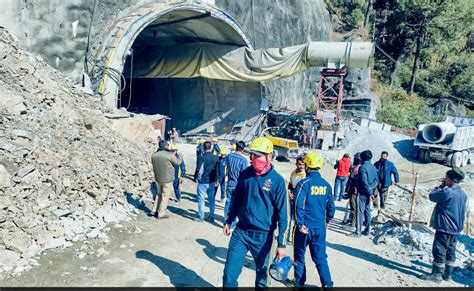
[210,189]
[229,191]
[444,248]
[316,240]
[363,214]
[340,181]
[223,185]
[177,192]
[259,243]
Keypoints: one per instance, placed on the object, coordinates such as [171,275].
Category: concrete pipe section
[440,132]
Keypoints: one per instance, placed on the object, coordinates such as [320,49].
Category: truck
[450,141]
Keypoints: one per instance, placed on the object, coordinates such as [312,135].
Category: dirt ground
[180,252]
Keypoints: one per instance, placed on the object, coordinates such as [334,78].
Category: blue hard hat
[279,269]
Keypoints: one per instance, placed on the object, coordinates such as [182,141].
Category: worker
[448,221]
[199,153]
[215,147]
[236,164]
[179,172]
[342,166]
[233,145]
[314,209]
[206,179]
[222,173]
[174,135]
[163,162]
[352,191]
[260,201]
[298,174]
[385,170]
[366,183]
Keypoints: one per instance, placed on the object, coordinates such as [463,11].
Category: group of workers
[257,202]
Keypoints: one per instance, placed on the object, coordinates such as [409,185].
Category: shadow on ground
[137,203]
[179,275]
[219,254]
[407,150]
[376,259]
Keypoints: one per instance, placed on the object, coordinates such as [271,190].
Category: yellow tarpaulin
[221,62]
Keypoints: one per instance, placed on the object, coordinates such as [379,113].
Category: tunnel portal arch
[124,31]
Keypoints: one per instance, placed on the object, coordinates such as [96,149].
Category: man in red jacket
[343,166]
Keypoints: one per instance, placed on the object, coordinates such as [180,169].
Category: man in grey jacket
[448,220]
[163,162]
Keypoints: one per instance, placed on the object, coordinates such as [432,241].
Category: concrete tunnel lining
[160,25]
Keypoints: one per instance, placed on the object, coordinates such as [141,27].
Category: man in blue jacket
[260,201]
[314,208]
[385,170]
[449,214]
[366,182]
[206,178]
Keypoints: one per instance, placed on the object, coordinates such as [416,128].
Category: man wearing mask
[366,182]
[385,170]
[314,207]
[448,220]
[260,201]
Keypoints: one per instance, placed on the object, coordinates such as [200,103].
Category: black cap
[366,155]
[455,174]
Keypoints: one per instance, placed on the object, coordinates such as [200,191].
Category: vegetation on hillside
[424,53]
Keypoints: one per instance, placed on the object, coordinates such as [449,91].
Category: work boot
[447,275]
[436,274]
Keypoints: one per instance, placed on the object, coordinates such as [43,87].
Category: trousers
[162,199]
[316,240]
[444,248]
[259,244]
[363,218]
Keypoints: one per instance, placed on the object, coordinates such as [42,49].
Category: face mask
[261,166]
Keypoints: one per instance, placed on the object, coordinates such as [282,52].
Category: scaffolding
[330,94]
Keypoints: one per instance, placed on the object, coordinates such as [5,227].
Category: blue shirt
[314,202]
[222,168]
[261,203]
[235,165]
[367,179]
[451,203]
[385,170]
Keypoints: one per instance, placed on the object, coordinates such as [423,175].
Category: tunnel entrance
[189,102]
[192,102]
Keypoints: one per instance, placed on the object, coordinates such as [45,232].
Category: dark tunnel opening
[189,102]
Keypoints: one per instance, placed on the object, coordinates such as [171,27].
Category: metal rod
[413,197]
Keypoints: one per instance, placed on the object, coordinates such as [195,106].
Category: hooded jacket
[343,166]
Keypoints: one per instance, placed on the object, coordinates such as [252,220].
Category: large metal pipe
[340,54]
[438,132]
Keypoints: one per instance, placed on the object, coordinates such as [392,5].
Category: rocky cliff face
[280,23]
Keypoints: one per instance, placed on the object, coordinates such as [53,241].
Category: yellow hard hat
[224,151]
[201,140]
[314,160]
[261,145]
[173,147]
[214,139]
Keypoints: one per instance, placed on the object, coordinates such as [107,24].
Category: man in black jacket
[206,176]
[449,214]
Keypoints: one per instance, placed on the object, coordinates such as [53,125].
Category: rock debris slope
[64,173]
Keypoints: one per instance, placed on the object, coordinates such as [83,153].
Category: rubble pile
[64,174]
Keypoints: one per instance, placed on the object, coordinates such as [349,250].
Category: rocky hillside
[64,173]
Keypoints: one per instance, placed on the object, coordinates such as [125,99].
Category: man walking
[206,178]
[314,207]
[199,153]
[343,166]
[163,162]
[179,172]
[449,215]
[385,170]
[260,200]
[366,183]
[222,173]
[236,163]
[352,191]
